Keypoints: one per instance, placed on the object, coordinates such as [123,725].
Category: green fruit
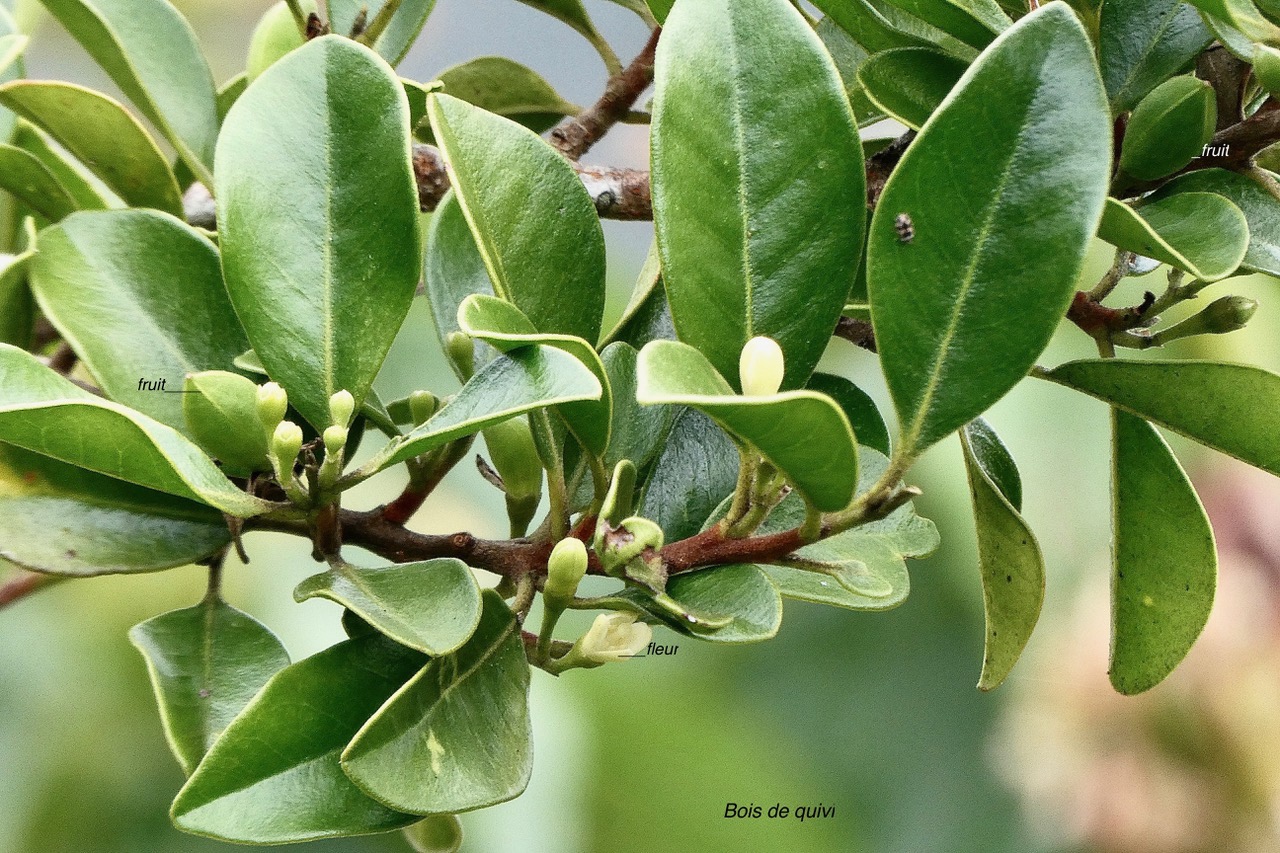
[1266,67]
[1169,128]
[276,34]
[222,416]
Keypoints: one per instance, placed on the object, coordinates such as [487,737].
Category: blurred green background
[874,714]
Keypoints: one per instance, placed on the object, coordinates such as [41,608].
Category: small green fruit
[222,416]
[276,34]
[1169,128]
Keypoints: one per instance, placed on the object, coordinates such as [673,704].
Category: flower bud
[286,443]
[761,367]
[515,456]
[275,35]
[614,637]
[565,569]
[273,402]
[422,405]
[341,407]
[461,352]
[1228,314]
[335,439]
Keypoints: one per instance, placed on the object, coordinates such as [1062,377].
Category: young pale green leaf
[151,53]
[1141,43]
[63,520]
[910,82]
[105,279]
[221,413]
[757,181]
[868,26]
[274,775]
[73,175]
[318,219]
[103,135]
[1004,186]
[533,221]
[12,46]
[1229,407]
[974,22]
[1010,561]
[457,736]
[452,268]
[869,562]
[743,593]
[507,88]
[401,32]
[993,460]
[433,606]
[529,378]
[696,469]
[1165,560]
[41,411]
[858,407]
[803,433]
[636,431]
[29,179]
[504,327]
[1260,208]
[206,662]
[1202,233]
[441,833]
[1169,128]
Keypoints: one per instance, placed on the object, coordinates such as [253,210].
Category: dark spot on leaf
[1008,578]
[71,554]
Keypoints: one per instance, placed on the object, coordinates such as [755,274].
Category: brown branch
[24,584]
[856,331]
[881,164]
[576,134]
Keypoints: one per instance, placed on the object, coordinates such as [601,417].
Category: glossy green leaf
[1202,233]
[274,775]
[103,135]
[73,175]
[870,561]
[1141,43]
[529,378]
[1009,557]
[1261,211]
[318,219]
[742,592]
[433,606]
[1004,186]
[993,460]
[910,82]
[858,407]
[151,53]
[696,469]
[1234,408]
[457,736]
[1169,128]
[440,833]
[647,316]
[17,306]
[533,221]
[1165,561]
[63,520]
[974,22]
[221,413]
[106,281]
[399,35]
[41,411]
[757,181]
[206,662]
[504,327]
[803,433]
[1242,15]
[847,55]
[868,26]
[637,431]
[452,268]
[28,179]
[507,88]
[569,11]
[660,9]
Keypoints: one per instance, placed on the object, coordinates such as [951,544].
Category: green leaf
[432,606]
[1202,233]
[1242,15]
[274,775]
[869,28]
[993,460]
[1260,208]
[532,219]
[12,46]
[41,411]
[103,135]
[910,82]
[440,833]
[73,176]
[457,736]
[803,433]
[757,181]
[637,431]
[1004,186]
[1169,128]
[28,179]
[1229,407]
[847,56]
[11,68]
[504,327]
[399,35]
[1165,561]
[149,51]
[63,520]
[858,407]
[696,468]
[1009,558]
[1141,43]
[206,662]
[17,306]
[742,592]
[275,35]
[106,280]
[974,22]
[570,12]
[647,316]
[221,413]
[507,88]
[529,378]
[869,561]
[318,219]
[452,268]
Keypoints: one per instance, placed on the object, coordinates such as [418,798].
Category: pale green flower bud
[341,408]
[422,405]
[461,352]
[565,569]
[286,443]
[1228,314]
[614,637]
[761,367]
[273,402]
[335,439]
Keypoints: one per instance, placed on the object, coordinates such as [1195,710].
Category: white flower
[760,367]
[614,636]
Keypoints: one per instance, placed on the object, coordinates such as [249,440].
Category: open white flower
[614,636]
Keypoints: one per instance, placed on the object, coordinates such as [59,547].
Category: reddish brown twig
[575,135]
